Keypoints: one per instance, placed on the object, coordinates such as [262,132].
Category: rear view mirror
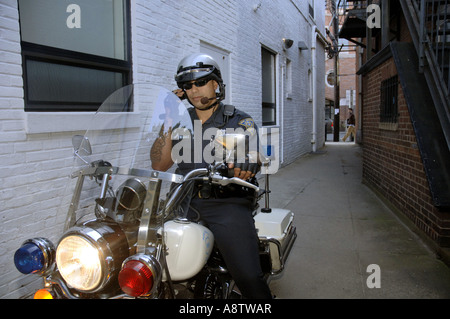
[81,147]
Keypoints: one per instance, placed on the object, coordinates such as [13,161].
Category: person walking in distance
[350,126]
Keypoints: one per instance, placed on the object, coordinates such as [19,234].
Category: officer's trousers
[231,222]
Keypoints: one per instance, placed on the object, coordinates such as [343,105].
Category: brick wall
[392,164]
[36,151]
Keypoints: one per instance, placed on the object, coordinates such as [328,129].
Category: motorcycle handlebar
[220,180]
[216,178]
[204,174]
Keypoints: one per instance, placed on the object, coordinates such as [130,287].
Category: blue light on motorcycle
[29,258]
[34,256]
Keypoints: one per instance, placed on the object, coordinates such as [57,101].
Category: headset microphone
[205,100]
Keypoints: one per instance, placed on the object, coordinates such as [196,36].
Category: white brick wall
[33,165]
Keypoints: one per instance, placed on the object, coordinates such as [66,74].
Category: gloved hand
[246,168]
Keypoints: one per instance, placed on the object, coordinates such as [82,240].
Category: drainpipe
[316,34]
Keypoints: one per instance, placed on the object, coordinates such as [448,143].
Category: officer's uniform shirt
[218,120]
[230,217]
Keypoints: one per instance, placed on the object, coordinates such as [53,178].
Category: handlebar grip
[241,182]
[217,179]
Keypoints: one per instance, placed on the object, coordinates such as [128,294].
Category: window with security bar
[389,100]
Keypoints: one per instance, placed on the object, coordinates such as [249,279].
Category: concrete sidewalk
[343,228]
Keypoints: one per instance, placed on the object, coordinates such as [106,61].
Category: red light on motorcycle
[139,274]
[135,278]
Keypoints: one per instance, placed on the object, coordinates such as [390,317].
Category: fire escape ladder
[429,24]
[352,18]
[430,138]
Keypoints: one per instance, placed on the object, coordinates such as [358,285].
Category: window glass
[268,87]
[74,54]
[54,83]
[93,27]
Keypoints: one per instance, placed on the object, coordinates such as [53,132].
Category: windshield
[126,125]
[120,138]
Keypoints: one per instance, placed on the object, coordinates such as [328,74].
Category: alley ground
[344,231]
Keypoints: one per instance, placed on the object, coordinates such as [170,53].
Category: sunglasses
[198,83]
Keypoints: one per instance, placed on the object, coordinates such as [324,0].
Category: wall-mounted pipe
[316,34]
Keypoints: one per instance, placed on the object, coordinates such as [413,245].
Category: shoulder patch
[248,124]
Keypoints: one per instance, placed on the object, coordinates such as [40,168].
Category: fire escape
[353,18]
[429,22]
[423,67]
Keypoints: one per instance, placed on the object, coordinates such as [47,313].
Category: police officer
[227,212]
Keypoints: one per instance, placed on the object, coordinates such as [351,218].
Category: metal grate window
[389,97]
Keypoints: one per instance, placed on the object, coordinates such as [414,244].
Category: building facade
[59,59]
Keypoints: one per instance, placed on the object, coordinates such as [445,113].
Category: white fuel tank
[189,246]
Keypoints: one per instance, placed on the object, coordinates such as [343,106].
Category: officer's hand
[244,171]
[180,93]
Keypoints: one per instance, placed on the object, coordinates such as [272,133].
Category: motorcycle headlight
[89,256]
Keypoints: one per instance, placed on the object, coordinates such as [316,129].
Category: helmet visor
[192,74]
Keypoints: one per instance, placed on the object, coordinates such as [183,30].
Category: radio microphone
[205,100]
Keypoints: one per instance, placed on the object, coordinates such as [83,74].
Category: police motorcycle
[125,233]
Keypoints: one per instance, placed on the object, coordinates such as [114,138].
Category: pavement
[350,245]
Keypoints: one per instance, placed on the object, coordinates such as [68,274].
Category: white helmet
[197,66]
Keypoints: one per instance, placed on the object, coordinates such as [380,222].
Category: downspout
[316,34]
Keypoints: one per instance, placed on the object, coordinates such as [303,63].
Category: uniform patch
[248,124]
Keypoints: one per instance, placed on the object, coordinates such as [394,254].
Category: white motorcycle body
[189,246]
[277,231]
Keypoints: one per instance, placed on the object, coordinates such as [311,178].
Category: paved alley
[348,239]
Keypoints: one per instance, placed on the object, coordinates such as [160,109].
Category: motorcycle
[126,234]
